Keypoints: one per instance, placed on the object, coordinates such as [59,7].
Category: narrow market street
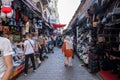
[34,34]
[53,69]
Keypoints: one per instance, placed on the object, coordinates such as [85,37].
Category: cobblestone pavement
[53,69]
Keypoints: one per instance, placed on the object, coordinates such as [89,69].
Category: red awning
[58,25]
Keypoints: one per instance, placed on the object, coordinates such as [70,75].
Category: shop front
[24,18]
[98,38]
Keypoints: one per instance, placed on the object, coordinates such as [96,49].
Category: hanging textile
[17,15]
[6,10]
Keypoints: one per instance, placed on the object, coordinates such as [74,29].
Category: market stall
[98,38]
[17,19]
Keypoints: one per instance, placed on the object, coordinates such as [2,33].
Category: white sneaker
[34,70]
[25,74]
[39,61]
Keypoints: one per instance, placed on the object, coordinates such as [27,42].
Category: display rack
[17,71]
[83,39]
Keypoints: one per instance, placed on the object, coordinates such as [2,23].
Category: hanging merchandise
[95,24]
[34,20]
[93,60]
[11,22]
[96,8]
[32,28]
[101,38]
[12,29]
[86,14]
[23,30]
[27,26]
[17,25]
[1,28]
[1,25]
[17,15]
[90,10]
[25,18]
[39,24]
[35,25]
[16,38]
[6,10]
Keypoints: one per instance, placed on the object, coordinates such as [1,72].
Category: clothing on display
[6,10]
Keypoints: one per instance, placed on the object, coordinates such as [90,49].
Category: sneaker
[52,51]
[39,65]
[39,61]
[82,65]
[65,65]
[46,57]
[25,74]
[34,70]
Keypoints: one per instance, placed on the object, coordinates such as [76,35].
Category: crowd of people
[12,52]
[31,47]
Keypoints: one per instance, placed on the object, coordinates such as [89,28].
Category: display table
[17,71]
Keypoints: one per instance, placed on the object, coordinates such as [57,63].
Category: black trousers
[31,56]
[40,53]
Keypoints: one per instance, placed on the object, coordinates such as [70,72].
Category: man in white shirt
[29,47]
[6,64]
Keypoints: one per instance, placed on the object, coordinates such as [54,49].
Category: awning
[58,25]
[83,12]
[32,7]
[48,25]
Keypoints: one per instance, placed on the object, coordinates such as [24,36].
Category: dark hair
[28,35]
[1,33]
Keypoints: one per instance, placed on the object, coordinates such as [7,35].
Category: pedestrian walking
[41,46]
[35,39]
[67,49]
[6,64]
[37,52]
[29,52]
